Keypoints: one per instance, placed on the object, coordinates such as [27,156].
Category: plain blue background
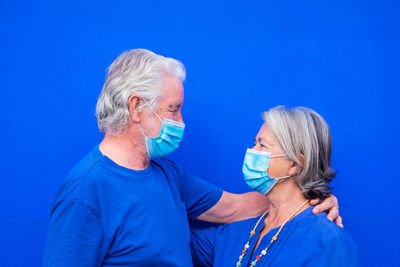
[340,58]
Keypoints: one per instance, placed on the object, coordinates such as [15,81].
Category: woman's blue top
[307,240]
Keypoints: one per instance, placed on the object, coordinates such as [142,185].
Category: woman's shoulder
[330,242]
[312,240]
[322,224]
[317,222]
[321,228]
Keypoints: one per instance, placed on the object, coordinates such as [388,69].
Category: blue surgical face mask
[255,168]
[170,136]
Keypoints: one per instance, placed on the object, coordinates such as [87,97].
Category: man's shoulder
[168,165]
[164,162]
[80,176]
[85,165]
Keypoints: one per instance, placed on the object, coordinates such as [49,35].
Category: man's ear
[134,102]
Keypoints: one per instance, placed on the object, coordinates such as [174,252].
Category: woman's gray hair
[136,71]
[306,139]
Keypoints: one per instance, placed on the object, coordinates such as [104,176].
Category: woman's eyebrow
[263,141]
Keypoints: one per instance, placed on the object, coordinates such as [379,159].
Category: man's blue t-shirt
[108,215]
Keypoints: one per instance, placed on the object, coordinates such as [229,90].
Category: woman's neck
[285,198]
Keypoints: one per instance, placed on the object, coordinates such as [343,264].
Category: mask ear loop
[138,124]
[283,177]
[140,127]
[151,109]
[277,156]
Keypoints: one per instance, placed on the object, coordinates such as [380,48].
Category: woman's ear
[296,168]
[134,102]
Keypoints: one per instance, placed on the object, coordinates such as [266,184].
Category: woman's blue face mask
[255,167]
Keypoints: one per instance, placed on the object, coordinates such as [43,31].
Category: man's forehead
[171,85]
[172,99]
[170,102]
[172,91]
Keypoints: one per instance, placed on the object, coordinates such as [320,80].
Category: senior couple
[126,204]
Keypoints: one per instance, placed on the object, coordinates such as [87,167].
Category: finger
[333,213]
[323,206]
[327,204]
[334,200]
[316,210]
[339,221]
[314,202]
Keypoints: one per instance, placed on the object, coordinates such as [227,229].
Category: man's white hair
[136,71]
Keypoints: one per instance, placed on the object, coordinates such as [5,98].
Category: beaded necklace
[274,238]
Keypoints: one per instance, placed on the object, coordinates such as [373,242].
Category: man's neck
[125,151]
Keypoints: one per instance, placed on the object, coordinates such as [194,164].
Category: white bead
[246,246]
[263,252]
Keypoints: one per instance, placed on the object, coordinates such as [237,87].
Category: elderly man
[124,203]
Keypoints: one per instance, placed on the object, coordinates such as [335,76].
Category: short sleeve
[198,195]
[202,242]
[75,236]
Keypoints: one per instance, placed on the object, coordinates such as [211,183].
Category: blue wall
[340,58]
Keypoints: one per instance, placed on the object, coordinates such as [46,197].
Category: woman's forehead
[266,134]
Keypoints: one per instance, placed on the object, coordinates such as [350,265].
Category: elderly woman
[290,164]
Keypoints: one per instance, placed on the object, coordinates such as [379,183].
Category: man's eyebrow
[177,105]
